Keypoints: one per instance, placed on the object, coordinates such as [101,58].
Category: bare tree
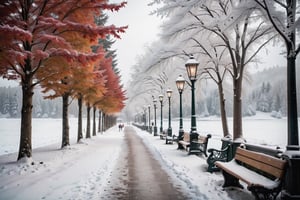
[216,70]
[243,34]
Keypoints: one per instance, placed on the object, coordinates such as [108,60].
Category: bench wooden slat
[184,143]
[247,176]
[186,137]
[263,173]
[202,139]
[262,162]
[270,160]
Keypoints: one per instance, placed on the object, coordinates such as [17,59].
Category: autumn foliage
[48,43]
[113,100]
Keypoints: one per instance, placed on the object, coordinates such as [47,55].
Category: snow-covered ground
[261,129]
[191,171]
[82,170]
[78,172]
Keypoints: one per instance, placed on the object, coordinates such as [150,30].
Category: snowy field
[82,170]
[44,132]
[261,129]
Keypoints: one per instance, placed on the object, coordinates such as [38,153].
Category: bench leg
[263,193]
[205,153]
[169,141]
[230,180]
[212,158]
[180,146]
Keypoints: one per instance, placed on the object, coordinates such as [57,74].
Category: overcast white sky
[142,30]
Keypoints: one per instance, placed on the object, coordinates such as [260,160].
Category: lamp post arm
[188,83]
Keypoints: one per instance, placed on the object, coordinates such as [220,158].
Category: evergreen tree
[106,44]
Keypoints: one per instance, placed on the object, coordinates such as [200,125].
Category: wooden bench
[201,143]
[262,173]
[225,154]
[185,142]
[169,139]
[163,135]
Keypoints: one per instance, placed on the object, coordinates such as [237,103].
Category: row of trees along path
[226,36]
[48,43]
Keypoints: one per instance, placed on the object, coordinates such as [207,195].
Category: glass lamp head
[192,67]
[180,81]
[161,97]
[169,93]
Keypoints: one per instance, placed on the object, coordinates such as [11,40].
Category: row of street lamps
[191,68]
[291,189]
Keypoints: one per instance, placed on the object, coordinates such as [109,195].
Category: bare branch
[260,47]
[266,8]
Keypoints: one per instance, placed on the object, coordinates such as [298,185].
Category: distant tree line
[10,105]
[268,94]
[9,102]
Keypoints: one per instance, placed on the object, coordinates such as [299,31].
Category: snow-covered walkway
[84,171]
[138,175]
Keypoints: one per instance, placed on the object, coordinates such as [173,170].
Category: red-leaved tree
[33,33]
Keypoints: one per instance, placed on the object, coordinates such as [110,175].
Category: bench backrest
[266,150]
[262,162]
[186,137]
[202,138]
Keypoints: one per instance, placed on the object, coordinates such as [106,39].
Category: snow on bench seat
[262,173]
[248,176]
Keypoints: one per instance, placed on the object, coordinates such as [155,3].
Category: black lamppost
[145,118]
[155,127]
[149,125]
[180,81]
[191,68]
[161,98]
[169,136]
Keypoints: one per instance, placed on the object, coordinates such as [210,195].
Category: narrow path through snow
[138,175]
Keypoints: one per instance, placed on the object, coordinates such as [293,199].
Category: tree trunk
[25,147]
[99,122]
[94,121]
[237,108]
[79,130]
[88,121]
[222,110]
[65,121]
[103,122]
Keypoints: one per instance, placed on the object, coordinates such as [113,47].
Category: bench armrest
[212,150]
[216,155]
